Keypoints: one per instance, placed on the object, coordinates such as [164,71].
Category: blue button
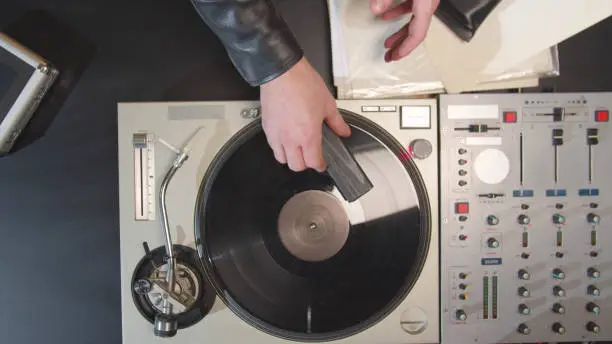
[561,192]
[584,192]
[522,193]
[594,192]
[491,261]
[556,193]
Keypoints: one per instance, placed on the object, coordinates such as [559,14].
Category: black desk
[59,253]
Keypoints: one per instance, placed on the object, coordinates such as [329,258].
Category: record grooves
[347,283]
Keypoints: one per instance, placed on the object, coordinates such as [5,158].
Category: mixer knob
[593,273]
[558,219]
[460,315]
[523,309]
[523,292]
[593,290]
[492,220]
[558,328]
[523,274]
[558,291]
[493,243]
[524,329]
[523,219]
[593,308]
[558,274]
[593,219]
[462,286]
[558,308]
[462,275]
[592,327]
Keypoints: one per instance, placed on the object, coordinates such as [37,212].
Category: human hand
[294,107]
[401,43]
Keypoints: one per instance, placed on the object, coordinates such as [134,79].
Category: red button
[510,117]
[462,208]
[602,116]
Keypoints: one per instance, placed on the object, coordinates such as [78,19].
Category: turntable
[263,254]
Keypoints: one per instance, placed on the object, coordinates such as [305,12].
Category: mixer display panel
[526,201]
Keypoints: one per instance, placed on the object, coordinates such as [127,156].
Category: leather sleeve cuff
[257,40]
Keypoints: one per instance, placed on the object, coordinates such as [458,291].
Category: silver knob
[558,291]
[523,292]
[558,328]
[523,274]
[421,148]
[523,220]
[593,290]
[592,327]
[165,325]
[524,329]
[142,286]
[460,315]
[593,218]
[593,273]
[558,219]
[558,274]
[523,309]
[493,243]
[492,220]
[592,307]
[558,308]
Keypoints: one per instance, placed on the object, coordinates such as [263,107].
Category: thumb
[337,124]
[380,6]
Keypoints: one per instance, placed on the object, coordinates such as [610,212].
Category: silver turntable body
[147,135]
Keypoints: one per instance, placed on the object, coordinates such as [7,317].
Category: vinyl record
[288,255]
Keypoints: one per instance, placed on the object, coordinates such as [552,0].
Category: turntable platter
[289,256]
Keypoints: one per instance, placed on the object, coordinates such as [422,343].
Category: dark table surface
[59,220]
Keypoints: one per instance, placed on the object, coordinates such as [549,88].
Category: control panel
[526,213]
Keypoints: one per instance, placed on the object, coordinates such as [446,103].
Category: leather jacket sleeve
[257,40]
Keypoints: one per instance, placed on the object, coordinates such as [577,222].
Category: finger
[337,124]
[395,38]
[277,147]
[394,41]
[279,153]
[380,6]
[417,29]
[313,154]
[398,11]
[295,159]
[416,34]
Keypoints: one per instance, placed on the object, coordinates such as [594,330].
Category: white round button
[491,166]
